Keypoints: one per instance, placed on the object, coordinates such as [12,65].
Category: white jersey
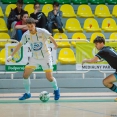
[38,42]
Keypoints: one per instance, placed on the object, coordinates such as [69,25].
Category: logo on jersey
[37,46]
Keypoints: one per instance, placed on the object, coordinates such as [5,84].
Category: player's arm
[93,60]
[15,51]
[53,41]
[48,35]
[19,45]
[100,60]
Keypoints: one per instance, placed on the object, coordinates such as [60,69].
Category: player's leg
[26,81]
[50,78]
[47,66]
[53,82]
[108,82]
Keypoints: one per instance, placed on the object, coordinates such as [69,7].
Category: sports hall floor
[70,105]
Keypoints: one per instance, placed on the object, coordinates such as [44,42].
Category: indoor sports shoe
[25,96]
[56,94]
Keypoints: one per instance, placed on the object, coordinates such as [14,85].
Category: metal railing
[70,40]
[106,72]
[8,40]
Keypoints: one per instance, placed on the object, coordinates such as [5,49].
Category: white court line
[65,94]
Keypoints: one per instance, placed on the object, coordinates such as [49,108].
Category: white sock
[27,85]
[54,84]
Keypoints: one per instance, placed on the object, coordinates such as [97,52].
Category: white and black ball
[44,96]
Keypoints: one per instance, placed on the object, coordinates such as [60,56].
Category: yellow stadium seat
[109,25]
[84,11]
[94,35]
[66,56]
[113,36]
[3,26]
[78,36]
[47,8]
[3,56]
[67,11]
[114,12]
[29,8]
[4,36]
[1,12]
[62,36]
[91,25]
[73,25]
[8,9]
[102,11]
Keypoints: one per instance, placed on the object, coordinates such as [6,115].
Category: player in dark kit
[110,55]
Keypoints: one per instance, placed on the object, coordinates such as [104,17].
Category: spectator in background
[14,17]
[21,26]
[39,17]
[54,19]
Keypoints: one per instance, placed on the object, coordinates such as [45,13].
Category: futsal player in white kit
[37,38]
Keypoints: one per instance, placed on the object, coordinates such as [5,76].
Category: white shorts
[46,63]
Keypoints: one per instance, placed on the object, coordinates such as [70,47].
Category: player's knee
[25,76]
[49,78]
[105,83]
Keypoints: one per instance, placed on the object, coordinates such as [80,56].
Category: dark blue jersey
[109,54]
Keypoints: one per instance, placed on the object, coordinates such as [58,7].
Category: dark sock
[114,88]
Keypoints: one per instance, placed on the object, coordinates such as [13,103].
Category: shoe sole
[26,98]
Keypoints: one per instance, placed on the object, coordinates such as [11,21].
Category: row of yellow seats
[66,56]
[91,25]
[73,25]
[82,11]
[79,36]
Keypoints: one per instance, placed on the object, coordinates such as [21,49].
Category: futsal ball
[44,96]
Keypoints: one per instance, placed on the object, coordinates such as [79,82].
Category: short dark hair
[30,21]
[25,12]
[99,39]
[20,2]
[55,4]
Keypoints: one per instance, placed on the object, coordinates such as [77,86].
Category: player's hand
[9,58]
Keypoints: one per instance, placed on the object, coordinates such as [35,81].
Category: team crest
[37,46]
